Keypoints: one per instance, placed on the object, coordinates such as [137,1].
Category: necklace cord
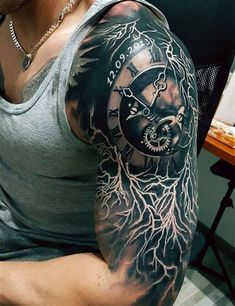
[28,57]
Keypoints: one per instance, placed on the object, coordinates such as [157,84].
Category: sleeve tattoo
[133,88]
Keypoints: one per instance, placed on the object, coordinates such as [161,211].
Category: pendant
[27,61]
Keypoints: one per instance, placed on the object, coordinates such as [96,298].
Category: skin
[132,95]
[10,6]
[34,17]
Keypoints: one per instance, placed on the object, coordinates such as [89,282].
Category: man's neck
[34,19]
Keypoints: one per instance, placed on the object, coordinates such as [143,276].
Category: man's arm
[132,95]
[142,106]
[76,280]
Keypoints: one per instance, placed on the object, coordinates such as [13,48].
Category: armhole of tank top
[65,126]
[63,78]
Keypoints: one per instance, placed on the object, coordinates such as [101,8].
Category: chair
[211,80]
[226,171]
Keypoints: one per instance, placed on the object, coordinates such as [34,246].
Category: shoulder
[119,25]
[92,66]
[126,28]
[134,82]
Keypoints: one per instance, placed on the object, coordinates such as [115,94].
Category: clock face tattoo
[146,113]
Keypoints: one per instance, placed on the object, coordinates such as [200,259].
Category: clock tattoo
[146,112]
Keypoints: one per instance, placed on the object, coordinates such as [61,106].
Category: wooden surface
[219,149]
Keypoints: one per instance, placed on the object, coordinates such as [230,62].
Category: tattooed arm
[141,102]
[132,95]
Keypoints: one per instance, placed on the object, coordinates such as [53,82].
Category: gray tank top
[47,175]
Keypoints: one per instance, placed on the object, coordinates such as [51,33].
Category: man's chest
[18,85]
[17,89]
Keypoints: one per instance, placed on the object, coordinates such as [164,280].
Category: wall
[211,190]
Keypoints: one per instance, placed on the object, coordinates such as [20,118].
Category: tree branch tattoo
[135,82]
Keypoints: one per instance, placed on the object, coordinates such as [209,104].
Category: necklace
[28,57]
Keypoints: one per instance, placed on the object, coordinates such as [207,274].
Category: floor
[199,289]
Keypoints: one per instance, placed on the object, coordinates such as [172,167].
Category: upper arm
[136,102]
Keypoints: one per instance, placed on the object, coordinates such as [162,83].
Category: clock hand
[159,87]
[129,94]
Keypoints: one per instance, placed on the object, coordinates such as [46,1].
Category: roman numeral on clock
[113,112]
[128,152]
[119,90]
[133,70]
[153,55]
[149,162]
[116,133]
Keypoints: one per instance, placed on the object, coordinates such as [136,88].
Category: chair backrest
[211,80]
[207,28]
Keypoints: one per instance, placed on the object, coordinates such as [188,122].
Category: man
[110,88]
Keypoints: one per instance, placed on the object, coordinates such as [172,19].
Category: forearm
[80,280]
